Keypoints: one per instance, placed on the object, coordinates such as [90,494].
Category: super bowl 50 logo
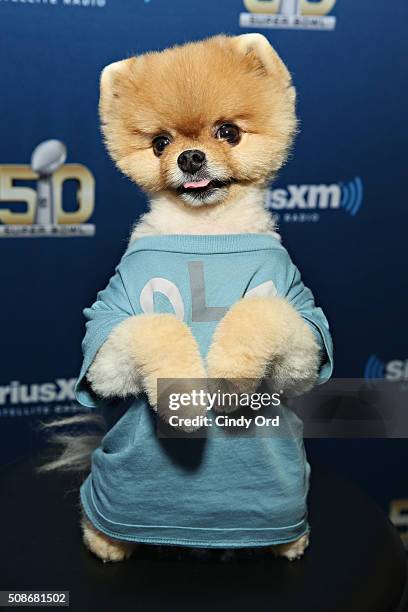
[43,213]
[399,516]
[292,14]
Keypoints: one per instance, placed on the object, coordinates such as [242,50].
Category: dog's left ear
[262,55]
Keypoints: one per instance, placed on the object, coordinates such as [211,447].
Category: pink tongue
[197,184]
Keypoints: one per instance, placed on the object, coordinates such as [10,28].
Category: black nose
[191,161]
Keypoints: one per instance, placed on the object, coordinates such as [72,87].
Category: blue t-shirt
[218,490]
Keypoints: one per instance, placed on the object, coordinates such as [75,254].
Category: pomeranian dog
[202,129]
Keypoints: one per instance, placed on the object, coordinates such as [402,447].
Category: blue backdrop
[340,200]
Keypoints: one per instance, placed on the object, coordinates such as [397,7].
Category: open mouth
[202,187]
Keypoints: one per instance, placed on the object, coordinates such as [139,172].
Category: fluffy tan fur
[282,346]
[104,547]
[109,549]
[292,550]
[187,93]
[141,350]
[245,214]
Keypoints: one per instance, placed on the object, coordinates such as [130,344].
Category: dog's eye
[160,143]
[229,132]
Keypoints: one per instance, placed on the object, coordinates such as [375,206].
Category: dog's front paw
[235,362]
[233,352]
[265,338]
[170,363]
[141,350]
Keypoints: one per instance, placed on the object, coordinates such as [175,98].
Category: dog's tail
[75,438]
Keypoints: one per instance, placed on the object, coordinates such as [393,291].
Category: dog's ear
[111,77]
[261,55]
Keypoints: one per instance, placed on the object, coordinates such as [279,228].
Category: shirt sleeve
[112,306]
[302,299]
[279,276]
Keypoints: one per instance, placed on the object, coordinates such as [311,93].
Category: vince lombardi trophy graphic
[290,7]
[46,158]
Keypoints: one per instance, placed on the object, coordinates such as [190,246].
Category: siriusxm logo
[352,196]
[20,399]
[395,370]
[15,392]
[73,3]
[316,198]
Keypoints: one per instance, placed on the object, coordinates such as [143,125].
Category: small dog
[202,129]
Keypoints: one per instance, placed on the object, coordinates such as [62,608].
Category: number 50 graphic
[11,193]
[290,7]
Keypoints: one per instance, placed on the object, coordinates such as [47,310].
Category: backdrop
[340,201]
